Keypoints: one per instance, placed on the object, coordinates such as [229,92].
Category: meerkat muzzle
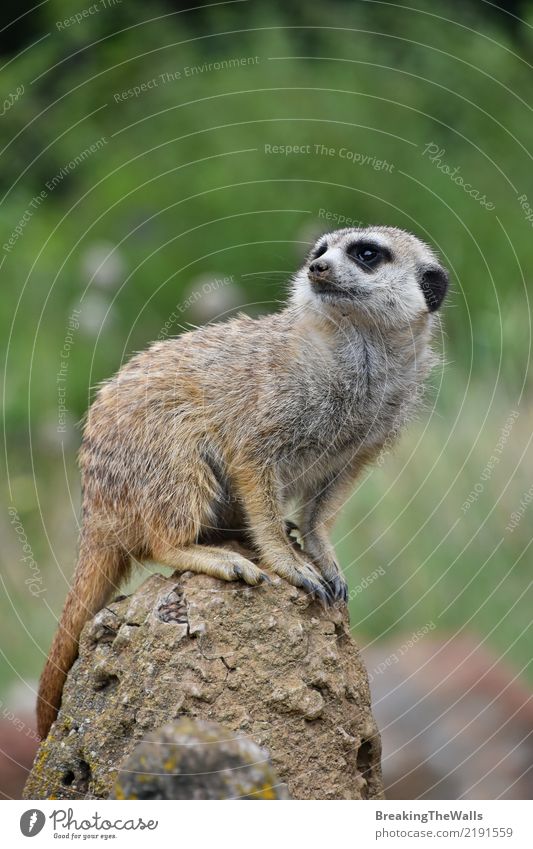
[320,274]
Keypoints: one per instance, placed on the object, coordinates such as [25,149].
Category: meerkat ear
[434,284]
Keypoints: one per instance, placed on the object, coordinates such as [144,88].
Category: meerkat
[220,430]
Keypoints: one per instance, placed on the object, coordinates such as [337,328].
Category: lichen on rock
[266,662]
[196,759]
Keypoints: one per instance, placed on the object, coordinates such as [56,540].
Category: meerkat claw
[338,589]
[330,592]
[320,592]
[251,575]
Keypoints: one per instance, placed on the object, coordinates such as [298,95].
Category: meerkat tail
[98,574]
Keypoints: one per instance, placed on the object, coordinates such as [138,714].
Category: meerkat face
[382,274]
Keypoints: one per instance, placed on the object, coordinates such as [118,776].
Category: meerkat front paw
[323,557]
[304,575]
[338,586]
[248,572]
[328,567]
[333,578]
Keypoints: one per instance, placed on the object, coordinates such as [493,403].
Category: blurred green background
[179,190]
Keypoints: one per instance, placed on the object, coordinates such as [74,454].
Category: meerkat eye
[368,255]
[318,251]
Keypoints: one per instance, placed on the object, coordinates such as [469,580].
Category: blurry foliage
[174,191]
[171,199]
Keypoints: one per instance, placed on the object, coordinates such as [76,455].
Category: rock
[265,662]
[195,759]
[18,745]
[457,719]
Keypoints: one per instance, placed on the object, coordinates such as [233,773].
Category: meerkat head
[380,274]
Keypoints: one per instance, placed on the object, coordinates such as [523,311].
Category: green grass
[446,562]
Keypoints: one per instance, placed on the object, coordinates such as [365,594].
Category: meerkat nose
[319,266]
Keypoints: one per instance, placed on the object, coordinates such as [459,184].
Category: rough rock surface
[267,662]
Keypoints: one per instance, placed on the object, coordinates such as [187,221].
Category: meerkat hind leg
[220,563]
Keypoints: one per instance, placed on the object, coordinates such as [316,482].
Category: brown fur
[219,430]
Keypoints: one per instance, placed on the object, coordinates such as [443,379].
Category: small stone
[295,633]
[124,636]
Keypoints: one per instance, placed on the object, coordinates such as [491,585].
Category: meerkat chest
[353,403]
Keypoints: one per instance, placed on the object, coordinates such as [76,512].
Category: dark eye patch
[434,284]
[319,250]
[368,254]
